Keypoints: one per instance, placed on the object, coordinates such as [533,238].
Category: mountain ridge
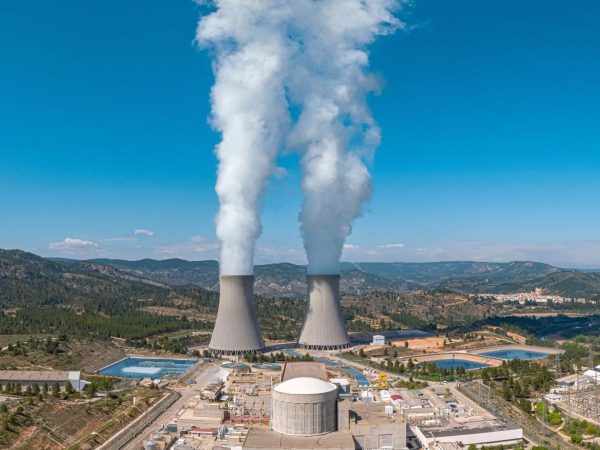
[472,277]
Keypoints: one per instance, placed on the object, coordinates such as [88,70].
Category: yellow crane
[382,381]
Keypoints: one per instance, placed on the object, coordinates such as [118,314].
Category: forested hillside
[289,280]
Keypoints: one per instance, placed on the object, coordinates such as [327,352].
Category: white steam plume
[315,52]
[335,130]
[250,110]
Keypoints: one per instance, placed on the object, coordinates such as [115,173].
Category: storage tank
[304,407]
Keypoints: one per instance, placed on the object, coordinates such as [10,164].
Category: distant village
[537,296]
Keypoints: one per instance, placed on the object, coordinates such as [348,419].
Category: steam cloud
[250,110]
[271,55]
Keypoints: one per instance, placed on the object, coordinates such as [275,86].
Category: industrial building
[28,378]
[378,340]
[376,426]
[261,439]
[324,327]
[593,373]
[432,437]
[236,328]
[200,418]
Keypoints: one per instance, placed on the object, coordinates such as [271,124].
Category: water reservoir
[511,354]
[456,363]
[155,368]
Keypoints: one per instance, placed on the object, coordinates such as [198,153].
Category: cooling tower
[236,329]
[324,327]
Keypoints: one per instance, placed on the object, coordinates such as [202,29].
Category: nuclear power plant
[324,327]
[236,328]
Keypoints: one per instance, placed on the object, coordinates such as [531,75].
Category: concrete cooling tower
[324,327]
[236,329]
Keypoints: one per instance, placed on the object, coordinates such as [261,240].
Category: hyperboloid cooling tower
[236,329]
[324,327]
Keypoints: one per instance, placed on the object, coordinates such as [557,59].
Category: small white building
[385,395]
[552,398]
[594,373]
[342,383]
[378,339]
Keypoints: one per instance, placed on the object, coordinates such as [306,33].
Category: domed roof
[305,385]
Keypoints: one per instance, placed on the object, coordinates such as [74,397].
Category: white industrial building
[378,339]
[342,383]
[594,373]
[28,378]
[465,436]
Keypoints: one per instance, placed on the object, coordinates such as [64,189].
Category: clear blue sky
[490,117]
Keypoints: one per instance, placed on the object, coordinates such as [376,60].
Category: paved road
[203,373]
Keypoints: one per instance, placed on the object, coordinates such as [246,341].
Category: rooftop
[265,438]
[305,385]
[38,375]
[479,428]
[296,369]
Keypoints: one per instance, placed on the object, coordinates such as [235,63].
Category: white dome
[305,385]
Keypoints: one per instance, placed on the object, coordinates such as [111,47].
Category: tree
[485,376]
[69,388]
[525,405]
[55,390]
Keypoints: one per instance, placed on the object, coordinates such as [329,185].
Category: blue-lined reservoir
[155,368]
[512,353]
[456,363]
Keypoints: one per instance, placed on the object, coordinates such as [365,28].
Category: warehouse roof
[263,438]
[38,375]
